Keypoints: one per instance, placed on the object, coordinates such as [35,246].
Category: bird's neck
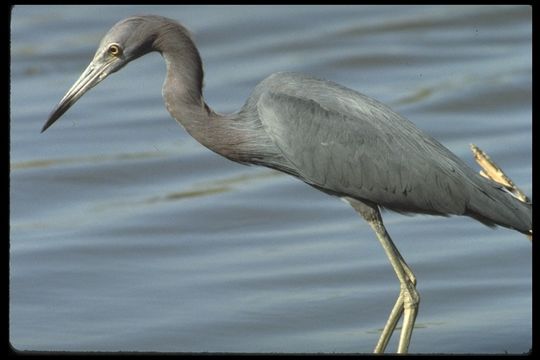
[182,93]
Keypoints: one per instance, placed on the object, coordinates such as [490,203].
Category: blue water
[126,234]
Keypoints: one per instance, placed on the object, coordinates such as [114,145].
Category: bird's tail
[494,205]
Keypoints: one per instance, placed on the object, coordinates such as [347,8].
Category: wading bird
[333,138]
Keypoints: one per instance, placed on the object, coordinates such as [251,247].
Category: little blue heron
[333,138]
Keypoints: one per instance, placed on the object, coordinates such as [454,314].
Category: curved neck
[182,93]
[184,81]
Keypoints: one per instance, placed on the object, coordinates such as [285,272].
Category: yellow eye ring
[115,50]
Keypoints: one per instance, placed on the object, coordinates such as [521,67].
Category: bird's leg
[390,325]
[396,312]
[395,315]
[408,299]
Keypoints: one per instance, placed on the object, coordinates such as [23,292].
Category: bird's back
[349,144]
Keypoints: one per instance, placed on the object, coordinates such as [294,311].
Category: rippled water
[126,234]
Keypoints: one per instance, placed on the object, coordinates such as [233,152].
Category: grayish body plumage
[348,144]
[331,137]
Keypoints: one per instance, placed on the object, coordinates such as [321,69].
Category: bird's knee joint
[412,299]
[411,296]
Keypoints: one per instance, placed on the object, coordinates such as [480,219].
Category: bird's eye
[115,50]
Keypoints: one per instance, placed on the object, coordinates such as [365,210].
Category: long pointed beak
[92,75]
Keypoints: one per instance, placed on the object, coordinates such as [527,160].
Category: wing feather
[345,142]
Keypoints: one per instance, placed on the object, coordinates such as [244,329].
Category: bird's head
[125,41]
